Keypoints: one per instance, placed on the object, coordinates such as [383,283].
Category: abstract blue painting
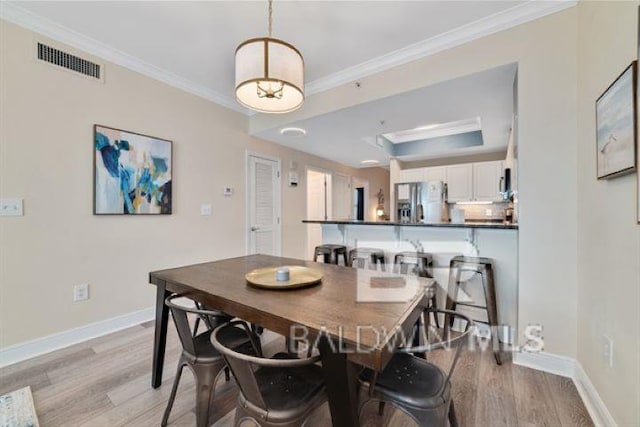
[132,173]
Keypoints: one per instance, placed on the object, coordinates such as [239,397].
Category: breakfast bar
[497,241]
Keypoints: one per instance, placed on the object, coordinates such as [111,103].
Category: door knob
[254,228]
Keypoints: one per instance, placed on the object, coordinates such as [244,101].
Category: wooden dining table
[350,330]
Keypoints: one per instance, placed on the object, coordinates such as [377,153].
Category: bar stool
[483,267]
[367,258]
[419,264]
[330,253]
[422,266]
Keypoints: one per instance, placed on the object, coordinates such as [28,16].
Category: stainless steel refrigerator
[421,202]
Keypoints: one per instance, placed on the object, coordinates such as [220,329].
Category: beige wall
[46,119]
[546,53]
[608,236]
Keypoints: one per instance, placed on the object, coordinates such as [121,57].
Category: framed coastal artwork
[132,173]
[616,126]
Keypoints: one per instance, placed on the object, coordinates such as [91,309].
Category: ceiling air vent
[70,62]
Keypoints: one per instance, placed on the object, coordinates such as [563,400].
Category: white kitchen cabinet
[438,173]
[488,181]
[412,175]
[460,182]
[466,182]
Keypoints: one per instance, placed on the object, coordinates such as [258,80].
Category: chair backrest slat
[181,321]
[245,377]
[180,314]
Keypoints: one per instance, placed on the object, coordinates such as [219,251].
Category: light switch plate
[11,207]
[81,292]
[205,210]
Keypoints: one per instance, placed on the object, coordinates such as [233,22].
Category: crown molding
[492,24]
[11,12]
[509,18]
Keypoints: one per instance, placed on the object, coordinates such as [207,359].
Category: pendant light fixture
[269,74]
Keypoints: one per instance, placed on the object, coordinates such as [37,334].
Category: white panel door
[488,181]
[341,196]
[460,182]
[317,195]
[264,206]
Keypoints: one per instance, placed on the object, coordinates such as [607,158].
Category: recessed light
[369,162]
[293,131]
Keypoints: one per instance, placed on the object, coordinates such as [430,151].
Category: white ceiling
[191,44]
[348,135]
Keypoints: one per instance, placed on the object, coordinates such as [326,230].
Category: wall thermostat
[293,179]
[228,191]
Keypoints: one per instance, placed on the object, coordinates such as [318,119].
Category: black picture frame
[603,103]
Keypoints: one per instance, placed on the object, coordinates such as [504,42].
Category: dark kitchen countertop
[469,224]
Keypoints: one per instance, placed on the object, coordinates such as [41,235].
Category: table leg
[160,339]
[417,328]
[342,384]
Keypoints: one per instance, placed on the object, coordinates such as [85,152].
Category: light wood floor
[106,382]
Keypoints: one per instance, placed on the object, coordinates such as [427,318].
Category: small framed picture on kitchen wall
[616,126]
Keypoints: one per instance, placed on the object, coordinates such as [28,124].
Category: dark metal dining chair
[414,385]
[200,356]
[278,392]
[212,322]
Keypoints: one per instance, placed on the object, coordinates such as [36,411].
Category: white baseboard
[568,367]
[592,400]
[27,350]
[547,362]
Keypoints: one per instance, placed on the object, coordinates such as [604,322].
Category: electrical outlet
[607,350]
[81,292]
[488,212]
